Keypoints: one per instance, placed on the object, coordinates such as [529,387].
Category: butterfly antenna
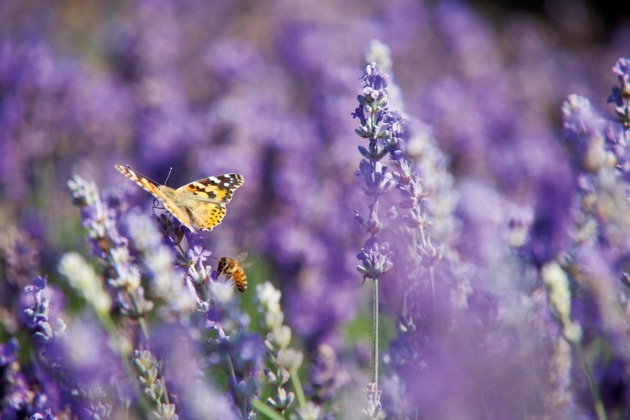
[156,202]
[169,175]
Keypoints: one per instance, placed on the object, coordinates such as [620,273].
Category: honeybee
[232,269]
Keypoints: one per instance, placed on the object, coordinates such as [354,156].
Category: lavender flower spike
[284,361]
[375,259]
[375,180]
[153,387]
[381,127]
[82,277]
[620,95]
[38,314]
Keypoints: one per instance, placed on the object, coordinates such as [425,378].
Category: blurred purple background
[266,89]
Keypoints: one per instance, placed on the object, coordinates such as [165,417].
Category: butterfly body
[199,205]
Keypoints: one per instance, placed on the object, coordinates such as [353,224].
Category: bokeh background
[266,89]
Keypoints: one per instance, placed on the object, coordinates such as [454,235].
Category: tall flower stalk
[375,180]
[99,215]
[598,151]
[412,157]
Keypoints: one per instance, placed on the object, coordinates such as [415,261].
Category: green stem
[181,250]
[375,334]
[297,387]
[597,401]
[115,340]
[431,273]
[143,328]
[265,410]
[237,399]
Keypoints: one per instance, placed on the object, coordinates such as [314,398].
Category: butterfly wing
[207,215]
[163,193]
[215,189]
[206,198]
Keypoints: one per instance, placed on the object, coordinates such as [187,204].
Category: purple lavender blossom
[240,355]
[325,377]
[383,129]
[229,346]
[208,88]
[375,259]
[38,315]
[17,397]
[157,263]
[422,327]
[71,360]
[100,215]
[621,94]
[184,378]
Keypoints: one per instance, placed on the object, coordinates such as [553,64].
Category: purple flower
[77,352]
[101,215]
[325,375]
[241,356]
[19,396]
[38,315]
[197,255]
[583,130]
[373,224]
[621,94]
[374,178]
[177,350]
[460,217]
[375,259]
[157,263]
[98,214]
[8,352]
[622,70]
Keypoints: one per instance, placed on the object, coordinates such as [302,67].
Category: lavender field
[434,221]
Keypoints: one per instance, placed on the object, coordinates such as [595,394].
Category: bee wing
[242,260]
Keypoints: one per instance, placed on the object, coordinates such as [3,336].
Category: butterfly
[199,205]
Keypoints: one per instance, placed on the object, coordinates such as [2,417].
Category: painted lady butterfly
[199,205]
